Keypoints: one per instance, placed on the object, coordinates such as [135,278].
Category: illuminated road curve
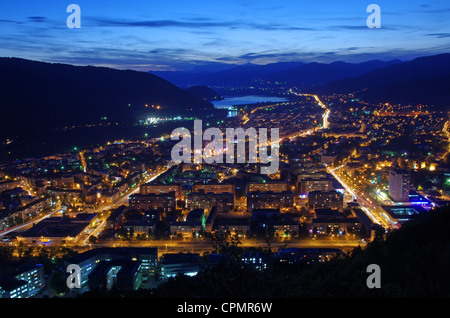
[326,115]
[371,210]
[303,133]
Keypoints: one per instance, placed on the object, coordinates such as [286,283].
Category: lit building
[311,184]
[326,199]
[403,213]
[216,188]
[116,218]
[166,202]
[8,185]
[224,202]
[14,288]
[58,230]
[173,264]
[123,275]
[399,185]
[235,226]
[276,187]
[150,188]
[195,223]
[140,226]
[257,260]
[34,275]
[270,200]
[337,226]
[89,260]
[294,255]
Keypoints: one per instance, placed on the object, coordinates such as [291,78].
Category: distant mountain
[231,75]
[430,91]
[37,95]
[424,80]
[245,74]
[301,75]
[314,74]
[204,92]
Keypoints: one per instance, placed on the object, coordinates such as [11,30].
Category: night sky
[179,35]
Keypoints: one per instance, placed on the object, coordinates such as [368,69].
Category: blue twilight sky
[180,34]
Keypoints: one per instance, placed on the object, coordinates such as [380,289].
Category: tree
[58,282]
[6,254]
[93,239]
[122,233]
[225,243]
[21,249]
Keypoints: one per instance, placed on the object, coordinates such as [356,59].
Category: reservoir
[231,101]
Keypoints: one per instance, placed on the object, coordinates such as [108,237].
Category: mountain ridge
[423,80]
[36,94]
[293,73]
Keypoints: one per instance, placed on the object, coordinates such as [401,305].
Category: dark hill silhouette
[302,75]
[204,92]
[313,74]
[234,75]
[424,80]
[36,95]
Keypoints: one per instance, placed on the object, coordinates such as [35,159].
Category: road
[325,116]
[374,212]
[27,224]
[446,131]
[122,201]
[201,246]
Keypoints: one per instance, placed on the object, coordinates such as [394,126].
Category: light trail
[325,116]
[94,232]
[18,227]
[355,196]
[326,124]
[124,198]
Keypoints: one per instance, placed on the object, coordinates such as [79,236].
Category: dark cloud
[10,21]
[37,19]
[158,23]
[363,26]
[439,35]
[196,23]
